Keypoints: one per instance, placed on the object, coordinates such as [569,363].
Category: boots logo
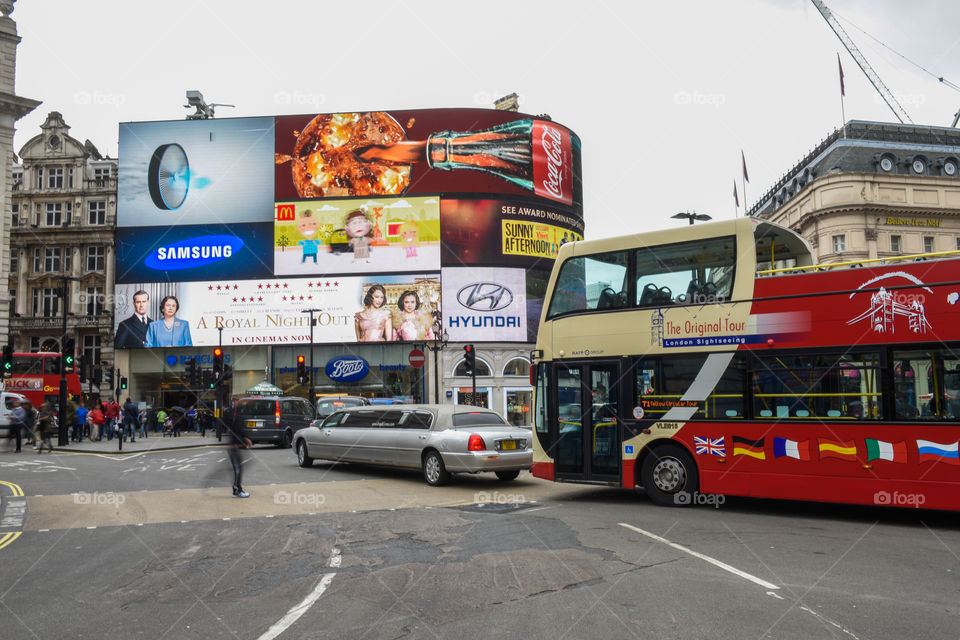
[347,369]
[485,296]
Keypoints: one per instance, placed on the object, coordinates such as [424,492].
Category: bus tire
[670,476]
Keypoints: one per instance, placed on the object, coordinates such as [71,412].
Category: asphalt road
[154,546]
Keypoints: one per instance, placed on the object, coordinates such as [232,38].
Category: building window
[55,178]
[14,261]
[839,244]
[895,244]
[517,367]
[46,302]
[15,214]
[482,369]
[36,214]
[13,306]
[36,259]
[91,350]
[54,214]
[95,258]
[70,177]
[94,301]
[34,344]
[97,212]
[17,179]
[39,178]
[928,244]
[958,243]
[101,176]
[52,259]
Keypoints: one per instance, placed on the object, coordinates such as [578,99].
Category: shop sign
[347,369]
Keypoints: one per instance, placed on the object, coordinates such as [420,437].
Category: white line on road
[294,614]
[705,558]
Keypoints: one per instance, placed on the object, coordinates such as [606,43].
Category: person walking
[45,426]
[111,411]
[80,422]
[238,442]
[143,423]
[162,421]
[98,422]
[18,417]
[131,413]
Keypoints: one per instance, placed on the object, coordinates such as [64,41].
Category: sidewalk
[155,442]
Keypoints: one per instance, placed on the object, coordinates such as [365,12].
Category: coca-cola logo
[485,296]
[347,369]
[552,142]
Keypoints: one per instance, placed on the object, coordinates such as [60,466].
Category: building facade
[873,190]
[63,209]
[12,108]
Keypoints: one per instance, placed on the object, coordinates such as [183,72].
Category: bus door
[586,422]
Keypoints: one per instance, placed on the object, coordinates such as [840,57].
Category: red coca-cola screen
[434,151]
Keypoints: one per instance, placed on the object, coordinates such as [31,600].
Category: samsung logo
[485,296]
[347,369]
[194,252]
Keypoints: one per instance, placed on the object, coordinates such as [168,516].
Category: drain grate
[496,507]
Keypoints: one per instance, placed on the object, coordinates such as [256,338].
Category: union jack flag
[710,446]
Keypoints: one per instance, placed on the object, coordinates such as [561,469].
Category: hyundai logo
[193,252]
[485,296]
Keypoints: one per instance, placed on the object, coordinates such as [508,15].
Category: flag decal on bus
[841,450]
[937,452]
[880,450]
[782,447]
[746,447]
[710,446]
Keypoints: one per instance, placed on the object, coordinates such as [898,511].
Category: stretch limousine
[439,439]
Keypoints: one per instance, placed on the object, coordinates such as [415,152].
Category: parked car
[272,419]
[438,439]
[6,406]
[326,405]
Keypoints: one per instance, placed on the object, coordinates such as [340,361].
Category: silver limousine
[439,439]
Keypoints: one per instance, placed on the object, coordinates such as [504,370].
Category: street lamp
[313,400]
[691,216]
[440,339]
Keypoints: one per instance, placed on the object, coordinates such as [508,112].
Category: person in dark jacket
[238,442]
[131,416]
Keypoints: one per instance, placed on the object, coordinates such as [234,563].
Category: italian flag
[880,450]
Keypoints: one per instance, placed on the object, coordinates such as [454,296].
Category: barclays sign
[347,369]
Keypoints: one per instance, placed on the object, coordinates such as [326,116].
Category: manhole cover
[496,507]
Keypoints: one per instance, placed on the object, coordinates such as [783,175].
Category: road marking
[705,558]
[13,513]
[295,613]
[8,538]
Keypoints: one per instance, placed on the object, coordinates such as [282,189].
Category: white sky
[664,95]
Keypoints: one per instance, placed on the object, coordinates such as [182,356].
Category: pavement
[154,442]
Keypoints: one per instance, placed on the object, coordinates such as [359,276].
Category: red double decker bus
[717,358]
[37,376]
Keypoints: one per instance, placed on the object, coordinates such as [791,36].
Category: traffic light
[207,379]
[78,366]
[108,378]
[123,383]
[302,377]
[97,376]
[8,360]
[69,348]
[191,370]
[469,357]
[217,363]
[227,372]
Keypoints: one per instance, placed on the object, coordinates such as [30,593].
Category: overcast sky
[664,95]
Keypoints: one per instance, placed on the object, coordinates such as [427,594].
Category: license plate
[251,424]
[508,444]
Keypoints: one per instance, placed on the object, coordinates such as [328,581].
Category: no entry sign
[416,358]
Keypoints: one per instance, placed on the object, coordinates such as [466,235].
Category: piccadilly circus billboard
[357,214]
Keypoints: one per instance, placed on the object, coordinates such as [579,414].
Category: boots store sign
[485,304]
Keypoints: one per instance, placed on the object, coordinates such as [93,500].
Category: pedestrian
[111,411]
[192,419]
[18,417]
[45,426]
[130,419]
[238,442]
[97,424]
[80,430]
[143,423]
[70,416]
[162,421]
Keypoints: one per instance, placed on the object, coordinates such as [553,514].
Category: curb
[126,452]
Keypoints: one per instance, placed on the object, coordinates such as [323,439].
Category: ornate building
[873,190]
[64,213]
[12,108]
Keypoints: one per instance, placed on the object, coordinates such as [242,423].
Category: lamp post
[62,437]
[313,400]
[691,216]
[440,339]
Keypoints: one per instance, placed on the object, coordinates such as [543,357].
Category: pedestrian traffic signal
[302,377]
[69,348]
[8,360]
[217,363]
[469,357]
[123,383]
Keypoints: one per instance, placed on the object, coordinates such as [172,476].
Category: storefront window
[519,407]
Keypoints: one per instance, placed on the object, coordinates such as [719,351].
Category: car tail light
[476,443]
[276,416]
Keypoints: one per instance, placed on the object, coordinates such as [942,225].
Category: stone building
[873,190]
[63,218]
[12,108]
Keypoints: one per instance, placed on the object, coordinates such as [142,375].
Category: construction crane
[868,71]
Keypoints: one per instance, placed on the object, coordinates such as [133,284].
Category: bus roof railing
[856,263]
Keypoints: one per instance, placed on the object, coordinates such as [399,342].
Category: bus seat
[766,413]
[607,299]
[693,289]
[732,413]
[649,295]
[802,413]
[833,413]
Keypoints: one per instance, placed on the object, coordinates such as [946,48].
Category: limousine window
[416,420]
[475,418]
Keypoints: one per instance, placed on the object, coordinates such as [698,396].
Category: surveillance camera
[195,98]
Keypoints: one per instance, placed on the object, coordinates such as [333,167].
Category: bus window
[926,384]
[698,272]
[661,384]
[592,282]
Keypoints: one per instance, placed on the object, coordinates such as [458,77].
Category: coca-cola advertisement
[435,151]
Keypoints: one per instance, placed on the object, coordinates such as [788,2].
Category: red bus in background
[37,376]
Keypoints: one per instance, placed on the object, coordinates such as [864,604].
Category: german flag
[745,447]
[834,449]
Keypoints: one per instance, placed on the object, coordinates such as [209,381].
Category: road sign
[416,358]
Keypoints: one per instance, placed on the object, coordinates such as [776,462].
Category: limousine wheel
[302,457]
[670,476]
[508,475]
[433,470]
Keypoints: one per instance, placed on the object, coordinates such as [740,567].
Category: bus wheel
[669,476]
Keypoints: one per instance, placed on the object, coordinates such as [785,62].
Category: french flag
[783,447]
[937,452]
